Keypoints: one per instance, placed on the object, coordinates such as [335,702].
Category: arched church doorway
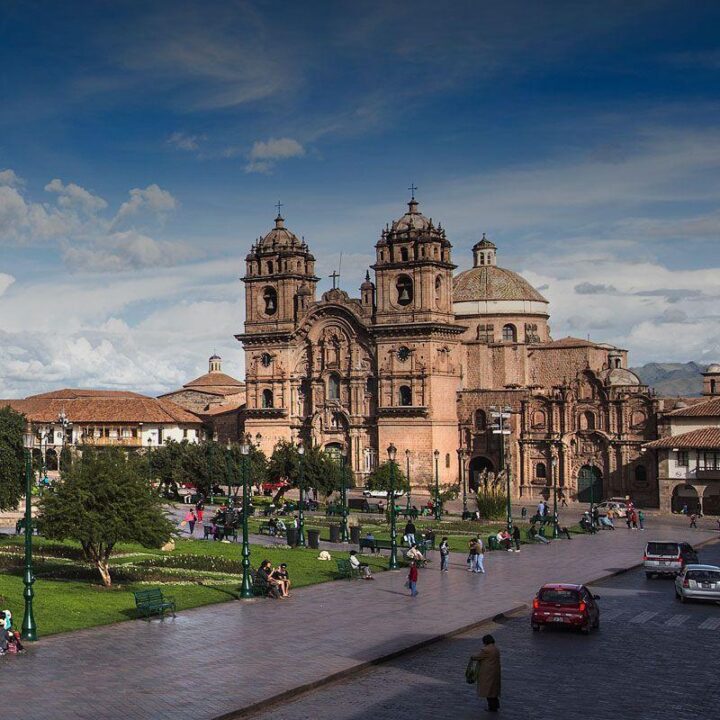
[685,496]
[336,450]
[711,500]
[478,465]
[590,485]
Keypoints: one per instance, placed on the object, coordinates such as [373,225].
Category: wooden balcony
[110,441]
[708,472]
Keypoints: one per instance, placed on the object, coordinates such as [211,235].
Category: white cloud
[9,177]
[152,199]
[74,196]
[185,141]
[264,154]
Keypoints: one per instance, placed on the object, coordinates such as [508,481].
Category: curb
[295,692]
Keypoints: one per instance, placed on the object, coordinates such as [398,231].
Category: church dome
[489,282]
[413,219]
[714,368]
[279,236]
[620,377]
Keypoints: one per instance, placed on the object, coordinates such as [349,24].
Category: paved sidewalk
[218,659]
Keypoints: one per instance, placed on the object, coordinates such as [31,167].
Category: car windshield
[559,596]
[704,575]
[662,548]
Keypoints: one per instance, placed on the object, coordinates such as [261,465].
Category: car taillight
[581,607]
[536,604]
[686,583]
[645,558]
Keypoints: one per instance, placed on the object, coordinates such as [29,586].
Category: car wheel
[596,624]
[535,627]
[585,629]
[681,598]
[649,575]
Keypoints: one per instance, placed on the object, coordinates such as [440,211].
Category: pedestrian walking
[546,509]
[523,512]
[693,520]
[200,510]
[191,519]
[563,500]
[516,538]
[489,673]
[413,578]
[641,519]
[444,555]
[472,551]
[479,556]
[541,509]
[409,533]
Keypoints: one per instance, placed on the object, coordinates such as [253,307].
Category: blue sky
[143,147]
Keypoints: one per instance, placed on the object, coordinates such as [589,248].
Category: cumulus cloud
[265,154]
[74,196]
[588,288]
[152,199]
[9,177]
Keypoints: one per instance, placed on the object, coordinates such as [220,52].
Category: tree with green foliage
[102,500]
[320,469]
[381,479]
[12,458]
[66,459]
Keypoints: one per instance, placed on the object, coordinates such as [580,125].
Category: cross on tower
[412,190]
[278,206]
[335,275]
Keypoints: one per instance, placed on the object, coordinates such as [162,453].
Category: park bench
[260,585]
[375,545]
[369,507]
[153,602]
[356,503]
[346,570]
[267,529]
[333,510]
[408,514]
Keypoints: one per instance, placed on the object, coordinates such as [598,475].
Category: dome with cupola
[279,236]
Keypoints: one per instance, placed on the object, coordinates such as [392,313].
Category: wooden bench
[372,507]
[375,545]
[346,570]
[153,602]
[267,529]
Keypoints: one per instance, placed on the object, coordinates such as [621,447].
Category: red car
[565,605]
[271,487]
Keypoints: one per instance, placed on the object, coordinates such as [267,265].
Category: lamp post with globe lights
[301,516]
[246,590]
[437,509]
[29,629]
[392,454]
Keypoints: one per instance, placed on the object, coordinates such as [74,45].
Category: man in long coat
[488,681]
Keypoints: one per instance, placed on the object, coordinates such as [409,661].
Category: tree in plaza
[381,479]
[234,462]
[104,499]
[320,469]
[65,459]
[12,458]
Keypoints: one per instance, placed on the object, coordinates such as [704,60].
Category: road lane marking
[643,617]
[676,620]
[712,623]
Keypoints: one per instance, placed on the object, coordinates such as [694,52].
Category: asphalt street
[653,658]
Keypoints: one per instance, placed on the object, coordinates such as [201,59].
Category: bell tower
[417,340]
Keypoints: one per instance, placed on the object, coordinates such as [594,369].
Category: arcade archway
[476,468]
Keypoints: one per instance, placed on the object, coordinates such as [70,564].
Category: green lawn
[62,605]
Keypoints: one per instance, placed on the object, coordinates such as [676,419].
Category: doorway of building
[590,485]
[478,465]
[685,496]
[711,500]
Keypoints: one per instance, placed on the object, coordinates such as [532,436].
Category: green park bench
[346,570]
[333,510]
[153,602]
[371,507]
[267,529]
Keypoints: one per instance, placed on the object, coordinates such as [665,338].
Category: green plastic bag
[471,671]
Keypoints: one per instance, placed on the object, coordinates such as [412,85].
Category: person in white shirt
[362,567]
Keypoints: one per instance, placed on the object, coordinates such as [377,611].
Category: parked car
[618,508]
[698,582]
[565,605]
[665,557]
[380,493]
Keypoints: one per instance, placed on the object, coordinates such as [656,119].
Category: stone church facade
[424,357]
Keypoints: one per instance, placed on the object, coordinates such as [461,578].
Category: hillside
[672,379]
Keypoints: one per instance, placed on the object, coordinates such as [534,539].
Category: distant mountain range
[672,379]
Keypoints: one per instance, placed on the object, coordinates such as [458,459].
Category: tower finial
[278,206]
[412,190]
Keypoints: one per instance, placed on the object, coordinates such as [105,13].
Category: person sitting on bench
[535,535]
[283,579]
[265,571]
[414,554]
[362,568]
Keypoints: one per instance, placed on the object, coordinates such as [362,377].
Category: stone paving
[215,660]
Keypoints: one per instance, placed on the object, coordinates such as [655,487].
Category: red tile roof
[704,408]
[101,406]
[703,438]
[215,379]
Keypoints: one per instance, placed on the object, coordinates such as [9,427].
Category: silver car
[698,582]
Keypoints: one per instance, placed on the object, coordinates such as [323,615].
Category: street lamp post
[246,589]
[592,494]
[407,473]
[29,629]
[502,430]
[149,454]
[393,564]
[344,533]
[461,464]
[301,516]
[437,486]
[553,470]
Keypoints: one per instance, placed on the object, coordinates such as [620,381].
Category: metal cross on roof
[412,190]
[335,275]
[278,206]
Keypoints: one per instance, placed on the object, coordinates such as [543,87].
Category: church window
[617,362]
[540,470]
[270,299]
[270,267]
[405,395]
[587,421]
[538,419]
[404,290]
[712,387]
[334,387]
[638,419]
[403,354]
[438,289]
[640,475]
[509,333]
[482,258]
[267,398]
[266,359]
[404,254]
[447,460]
[683,458]
[370,385]
[480,420]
